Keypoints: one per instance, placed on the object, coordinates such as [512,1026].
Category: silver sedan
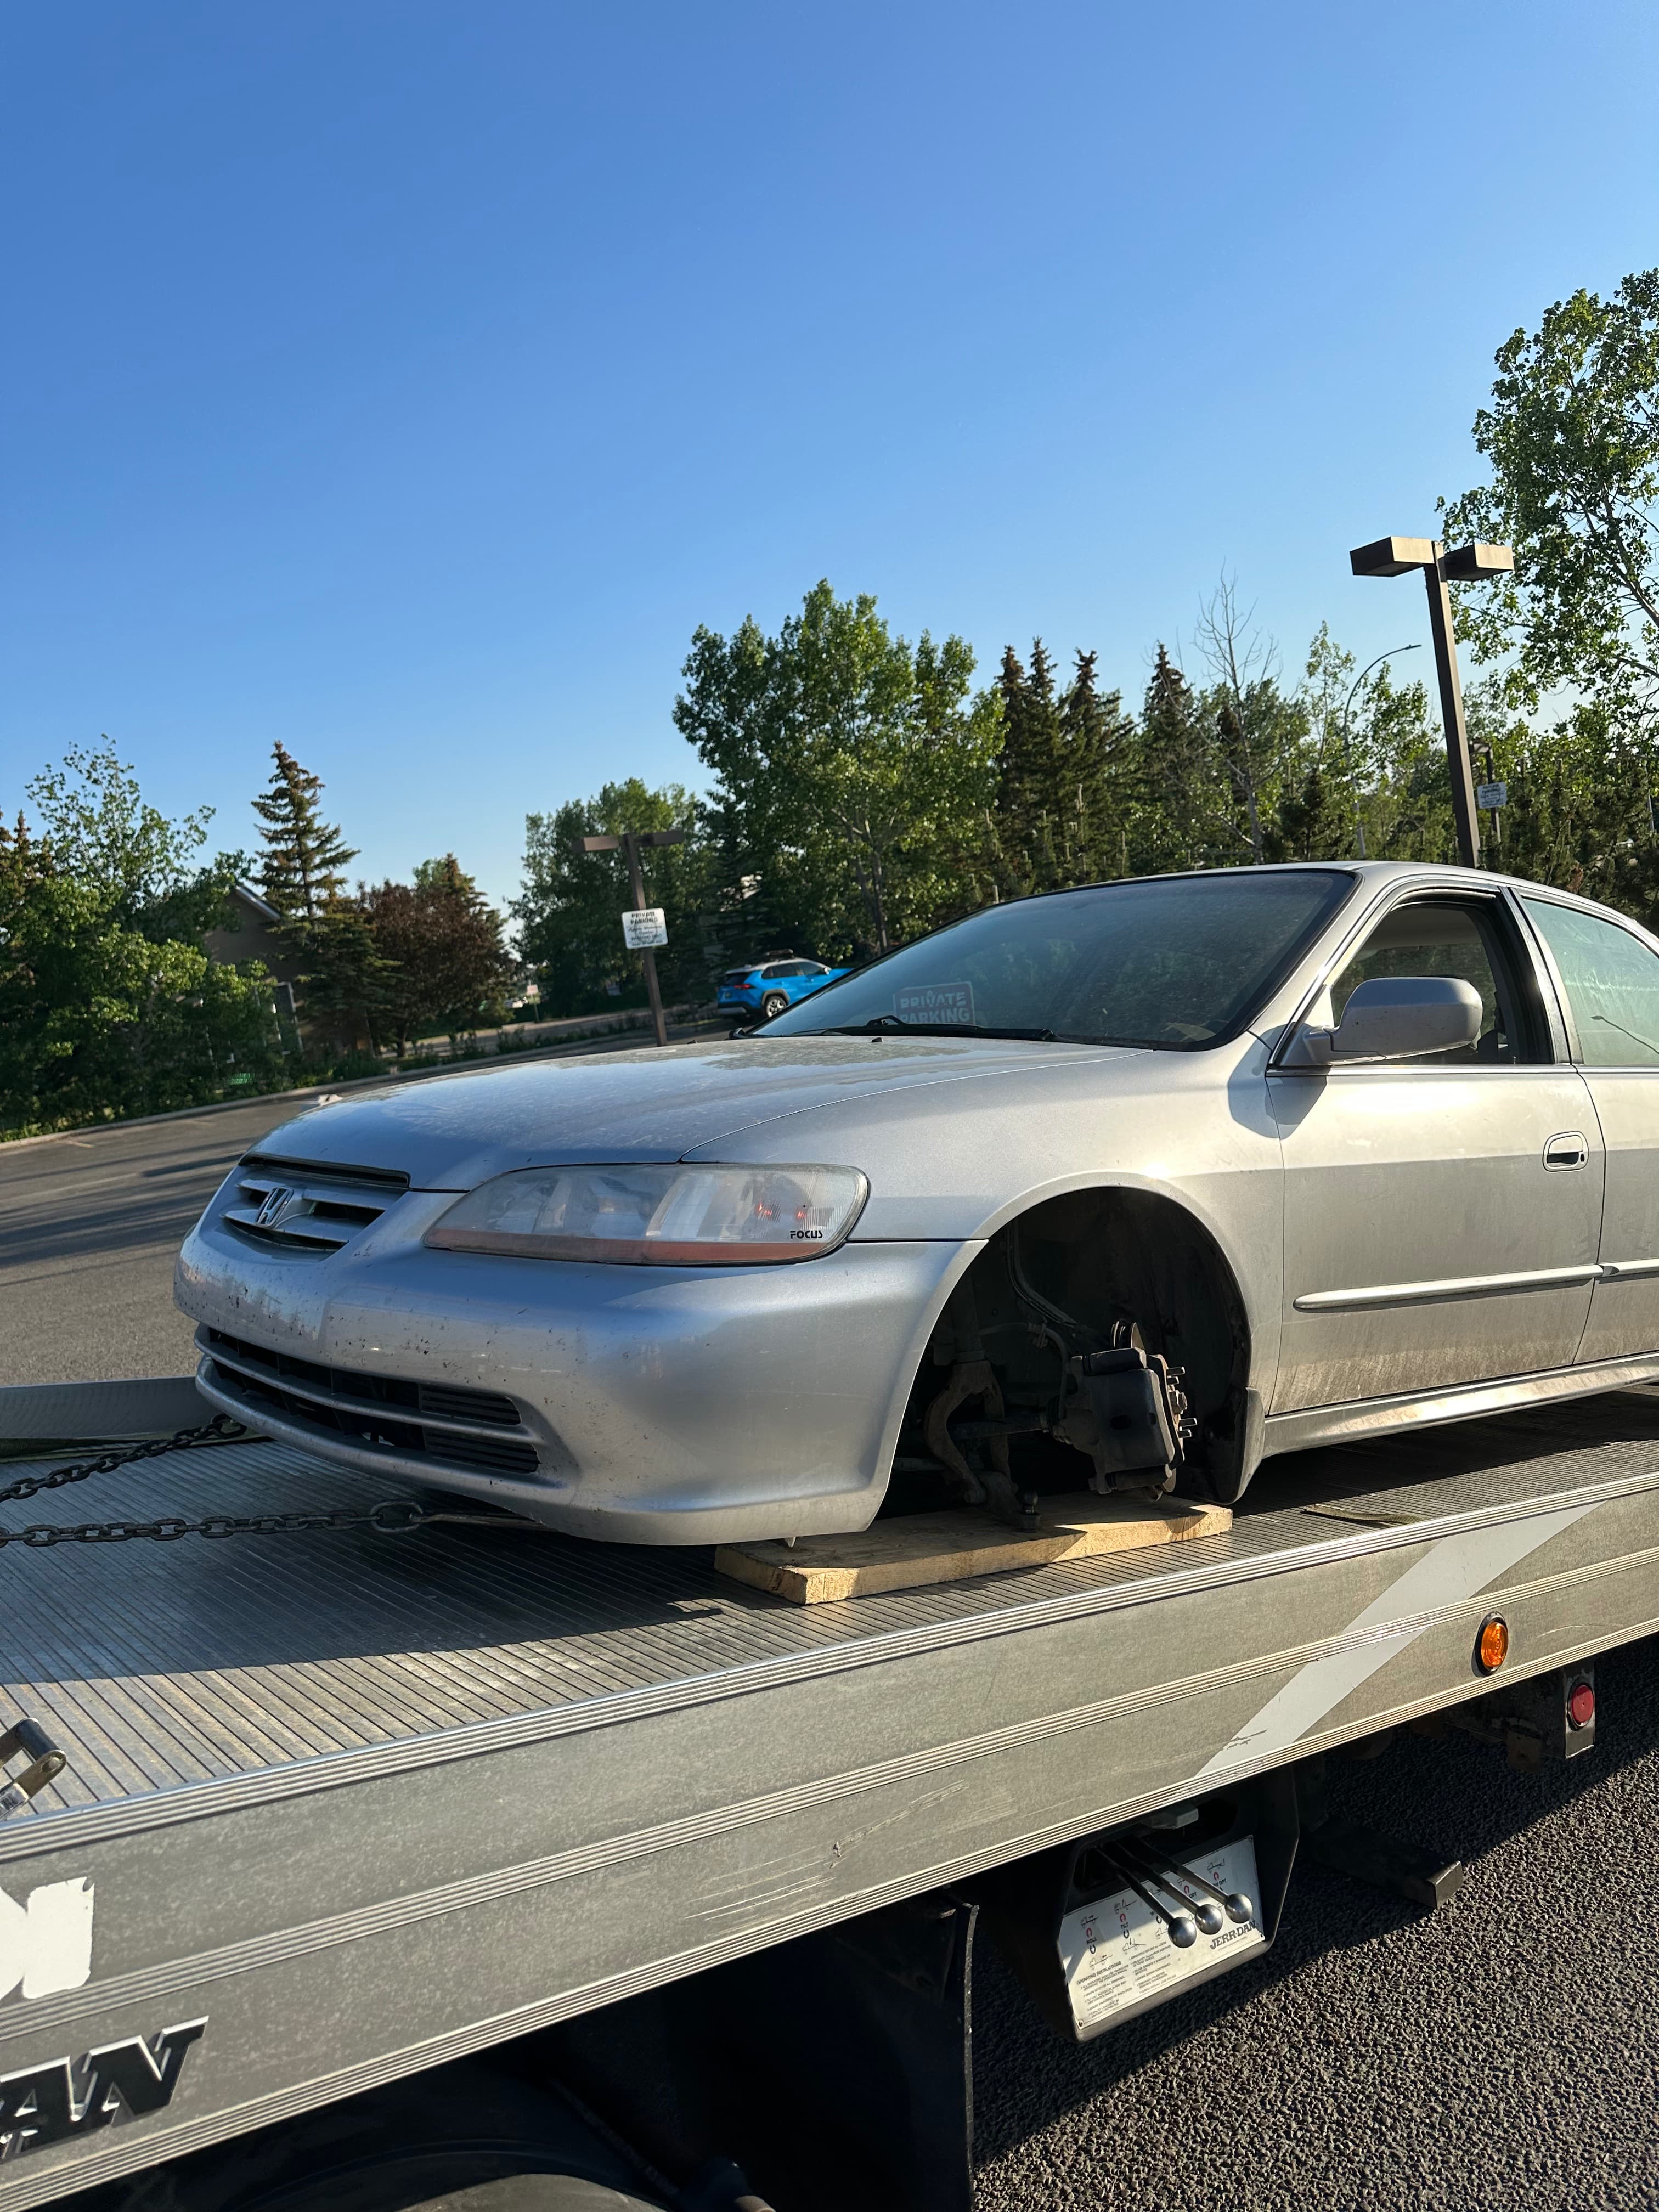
[1130,1186]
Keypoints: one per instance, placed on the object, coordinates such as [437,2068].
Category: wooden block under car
[916,1549]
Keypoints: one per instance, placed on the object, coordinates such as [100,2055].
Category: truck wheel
[773,1003]
[463,2137]
[534,2192]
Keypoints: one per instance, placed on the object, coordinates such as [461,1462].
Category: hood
[452,1132]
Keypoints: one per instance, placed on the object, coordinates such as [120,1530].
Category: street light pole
[1392,557]
[629,843]
[1347,709]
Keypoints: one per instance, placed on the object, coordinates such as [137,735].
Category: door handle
[1570,1149]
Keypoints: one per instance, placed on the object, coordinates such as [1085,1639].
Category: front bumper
[665,1406]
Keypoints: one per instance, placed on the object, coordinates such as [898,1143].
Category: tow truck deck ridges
[363,1803]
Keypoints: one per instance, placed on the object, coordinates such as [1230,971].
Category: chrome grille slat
[304,1207]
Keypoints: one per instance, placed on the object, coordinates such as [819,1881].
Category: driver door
[1443,1216]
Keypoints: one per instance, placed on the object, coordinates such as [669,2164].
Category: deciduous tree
[1572,438]
[446,964]
[570,912]
[108,1003]
[861,769]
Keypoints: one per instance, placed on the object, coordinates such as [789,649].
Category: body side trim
[1456,1286]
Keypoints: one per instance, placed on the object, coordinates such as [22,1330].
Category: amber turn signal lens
[1492,1646]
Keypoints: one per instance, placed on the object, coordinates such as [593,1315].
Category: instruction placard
[1116,1953]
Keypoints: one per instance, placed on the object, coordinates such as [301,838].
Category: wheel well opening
[1072,1276]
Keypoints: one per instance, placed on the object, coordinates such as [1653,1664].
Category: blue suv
[756,993]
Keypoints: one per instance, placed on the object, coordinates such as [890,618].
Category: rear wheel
[461,2138]
[773,1003]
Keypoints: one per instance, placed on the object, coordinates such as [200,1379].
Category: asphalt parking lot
[1504,2050]
[90,1223]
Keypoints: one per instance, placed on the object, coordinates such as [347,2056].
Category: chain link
[392,1516]
[219,1429]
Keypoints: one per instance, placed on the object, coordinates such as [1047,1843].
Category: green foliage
[442,943]
[1060,790]
[345,977]
[1572,437]
[570,912]
[854,773]
[1581,806]
[1178,788]
[107,1004]
[302,869]
[102,831]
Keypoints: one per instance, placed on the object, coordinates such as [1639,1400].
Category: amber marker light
[1492,1646]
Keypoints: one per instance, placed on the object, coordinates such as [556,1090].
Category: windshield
[1177,961]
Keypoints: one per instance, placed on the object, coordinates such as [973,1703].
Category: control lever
[1236,1904]
[1205,1909]
[1181,1927]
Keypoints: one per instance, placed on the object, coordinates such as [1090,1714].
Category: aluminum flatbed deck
[362,1803]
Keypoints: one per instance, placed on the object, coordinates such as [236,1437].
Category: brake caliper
[1128,1414]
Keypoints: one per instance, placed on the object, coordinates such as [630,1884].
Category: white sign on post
[644,926]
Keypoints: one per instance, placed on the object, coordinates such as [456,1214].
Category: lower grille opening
[372,1409]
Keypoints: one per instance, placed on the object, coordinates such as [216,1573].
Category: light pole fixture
[1392,557]
[629,843]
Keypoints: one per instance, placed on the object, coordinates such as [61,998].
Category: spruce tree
[302,874]
[346,979]
[1051,816]
[1178,775]
[1095,733]
[302,869]
[1034,820]
[1011,834]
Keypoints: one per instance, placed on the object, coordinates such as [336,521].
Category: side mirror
[1395,1017]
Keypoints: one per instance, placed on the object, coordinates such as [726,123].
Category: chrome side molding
[1456,1286]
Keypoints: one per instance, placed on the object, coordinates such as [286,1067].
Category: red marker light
[1581,1704]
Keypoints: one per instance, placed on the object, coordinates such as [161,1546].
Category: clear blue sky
[406,381]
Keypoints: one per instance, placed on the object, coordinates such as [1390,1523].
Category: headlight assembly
[658,1217]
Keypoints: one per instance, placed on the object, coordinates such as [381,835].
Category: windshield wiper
[879,1023]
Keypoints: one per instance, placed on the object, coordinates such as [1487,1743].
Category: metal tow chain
[219,1429]
[392,1516]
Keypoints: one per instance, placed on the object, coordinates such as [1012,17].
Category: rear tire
[773,1003]
[461,2138]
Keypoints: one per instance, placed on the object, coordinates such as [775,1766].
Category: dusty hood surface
[450,1132]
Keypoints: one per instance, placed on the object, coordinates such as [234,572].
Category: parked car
[757,992]
[1129,1185]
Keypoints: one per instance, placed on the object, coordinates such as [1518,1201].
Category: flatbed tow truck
[376,1855]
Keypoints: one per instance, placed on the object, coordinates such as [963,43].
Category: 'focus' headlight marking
[663,1217]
